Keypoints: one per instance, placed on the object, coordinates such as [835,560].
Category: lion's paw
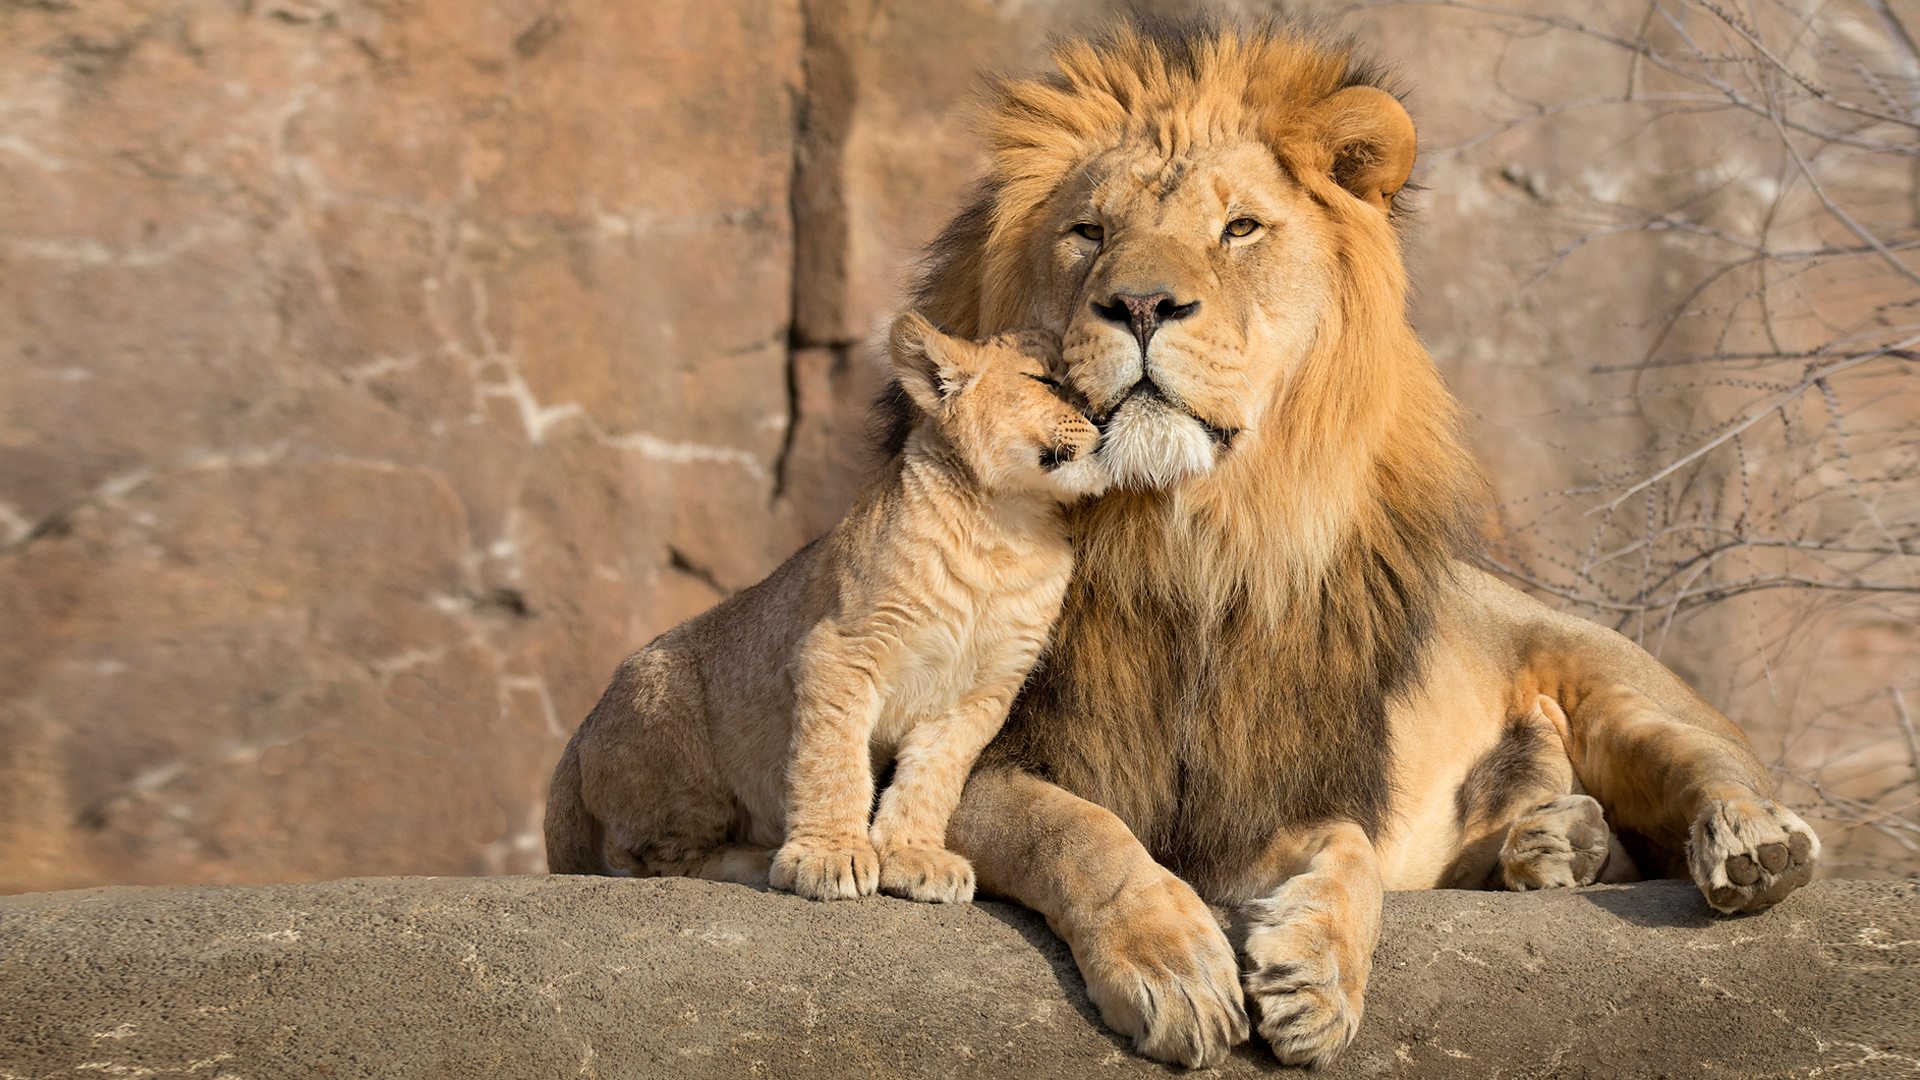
[1308,1011]
[930,875]
[1558,844]
[1162,973]
[826,872]
[1748,854]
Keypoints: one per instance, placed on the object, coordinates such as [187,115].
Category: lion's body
[1253,650]
[1275,674]
[903,634]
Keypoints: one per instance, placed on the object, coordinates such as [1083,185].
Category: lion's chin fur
[1148,444]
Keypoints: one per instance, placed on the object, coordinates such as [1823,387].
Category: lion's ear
[1370,137]
[931,366]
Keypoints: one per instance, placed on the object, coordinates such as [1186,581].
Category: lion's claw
[1308,1012]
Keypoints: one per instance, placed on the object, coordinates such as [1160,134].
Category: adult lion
[1275,682]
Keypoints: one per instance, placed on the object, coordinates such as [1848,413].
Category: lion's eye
[1046,380]
[1240,227]
[1088,230]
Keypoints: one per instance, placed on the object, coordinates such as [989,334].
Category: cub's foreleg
[1309,944]
[910,829]
[827,854]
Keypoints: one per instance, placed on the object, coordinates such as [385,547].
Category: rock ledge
[537,977]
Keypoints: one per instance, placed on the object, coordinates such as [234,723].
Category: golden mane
[1370,381]
[1288,592]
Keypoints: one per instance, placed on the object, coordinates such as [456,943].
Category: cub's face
[1000,405]
[1185,290]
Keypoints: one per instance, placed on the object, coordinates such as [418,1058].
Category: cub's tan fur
[905,632]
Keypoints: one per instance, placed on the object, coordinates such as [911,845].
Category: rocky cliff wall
[374,375]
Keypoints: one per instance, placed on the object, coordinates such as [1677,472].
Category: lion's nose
[1143,313]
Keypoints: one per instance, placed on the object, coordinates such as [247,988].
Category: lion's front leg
[1309,944]
[1156,963]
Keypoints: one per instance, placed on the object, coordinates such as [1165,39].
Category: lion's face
[1185,288]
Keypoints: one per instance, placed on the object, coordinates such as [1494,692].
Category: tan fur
[904,633]
[1273,673]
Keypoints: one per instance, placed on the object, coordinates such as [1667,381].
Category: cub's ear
[1370,137]
[931,366]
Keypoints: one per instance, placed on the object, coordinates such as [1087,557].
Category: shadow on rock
[1033,929]
[1654,903]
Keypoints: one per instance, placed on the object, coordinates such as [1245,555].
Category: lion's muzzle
[1149,440]
[1146,388]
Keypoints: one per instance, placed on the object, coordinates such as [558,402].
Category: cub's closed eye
[1089,231]
[1046,380]
[1240,227]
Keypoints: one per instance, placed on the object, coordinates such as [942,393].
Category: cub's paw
[1558,844]
[1163,974]
[1747,854]
[930,875]
[1309,1005]
[826,872]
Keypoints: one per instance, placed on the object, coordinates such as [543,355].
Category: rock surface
[533,976]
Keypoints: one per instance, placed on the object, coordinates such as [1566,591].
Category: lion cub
[905,632]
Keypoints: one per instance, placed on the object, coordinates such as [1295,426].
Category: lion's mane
[1228,648]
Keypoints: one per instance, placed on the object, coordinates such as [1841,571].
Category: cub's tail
[574,836]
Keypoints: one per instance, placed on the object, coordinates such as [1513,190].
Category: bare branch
[1753,417]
